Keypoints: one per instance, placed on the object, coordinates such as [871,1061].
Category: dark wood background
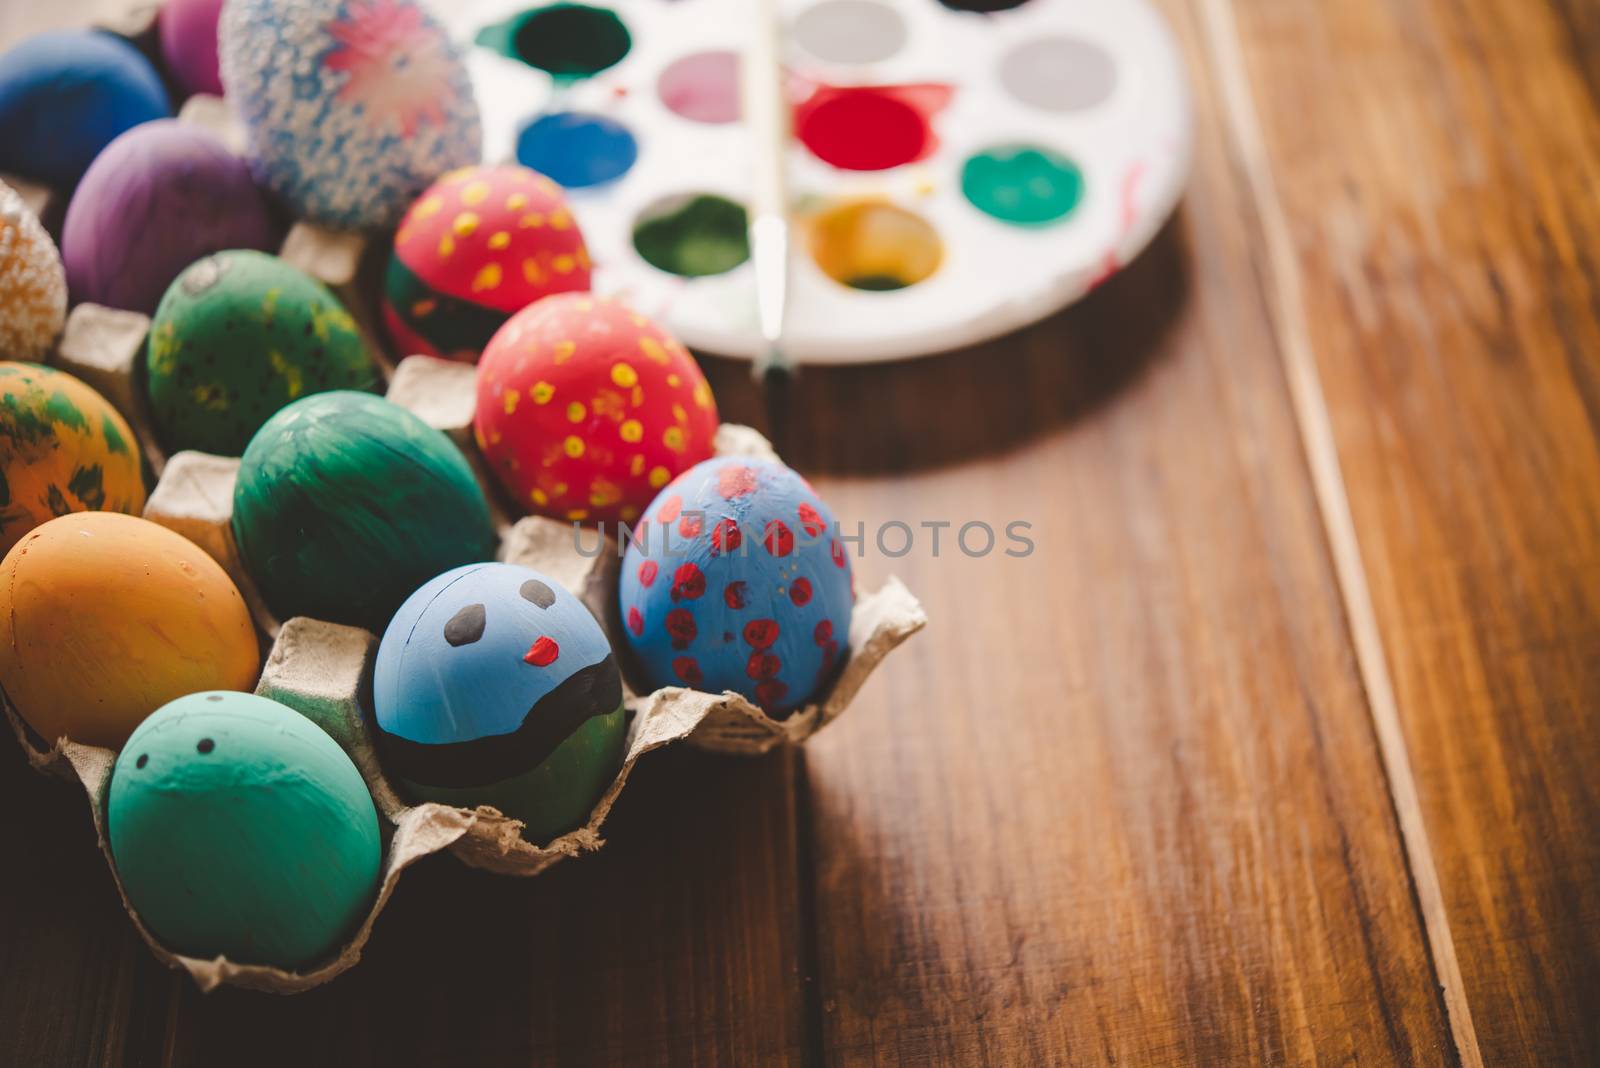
[1282,748]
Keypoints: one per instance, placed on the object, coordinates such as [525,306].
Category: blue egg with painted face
[495,686]
[736,579]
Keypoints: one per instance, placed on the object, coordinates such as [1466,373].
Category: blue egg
[495,686]
[737,580]
[577,150]
[64,96]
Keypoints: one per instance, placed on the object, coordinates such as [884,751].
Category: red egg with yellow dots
[479,245]
[586,409]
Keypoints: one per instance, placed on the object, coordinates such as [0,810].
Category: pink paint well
[702,87]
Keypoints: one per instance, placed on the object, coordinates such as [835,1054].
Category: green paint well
[1023,185]
[239,335]
[701,235]
[346,503]
[567,41]
[556,796]
[239,828]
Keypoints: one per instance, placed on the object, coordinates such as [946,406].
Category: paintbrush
[766,118]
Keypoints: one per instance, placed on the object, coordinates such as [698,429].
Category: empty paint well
[1022,184]
[874,245]
[850,31]
[567,41]
[1059,74]
[577,150]
[693,235]
[702,87]
[869,128]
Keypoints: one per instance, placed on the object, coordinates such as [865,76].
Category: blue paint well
[577,150]
[65,96]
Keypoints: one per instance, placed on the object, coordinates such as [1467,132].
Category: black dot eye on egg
[537,592]
[466,626]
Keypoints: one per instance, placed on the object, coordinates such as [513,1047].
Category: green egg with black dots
[240,829]
[237,336]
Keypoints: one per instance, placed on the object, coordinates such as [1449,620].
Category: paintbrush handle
[766,118]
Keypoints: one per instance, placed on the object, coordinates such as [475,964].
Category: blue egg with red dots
[736,579]
[495,686]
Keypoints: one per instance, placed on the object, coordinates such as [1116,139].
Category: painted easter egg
[104,618]
[346,503]
[240,829]
[158,198]
[33,286]
[737,581]
[495,686]
[188,32]
[64,96]
[239,335]
[480,244]
[351,107]
[586,409]
[63,448]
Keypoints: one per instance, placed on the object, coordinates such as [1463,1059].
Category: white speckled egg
[33,286]
[351,107]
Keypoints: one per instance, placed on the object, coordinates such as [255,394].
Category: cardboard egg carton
[323,670]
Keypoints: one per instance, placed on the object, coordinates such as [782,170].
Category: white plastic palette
[1099,84]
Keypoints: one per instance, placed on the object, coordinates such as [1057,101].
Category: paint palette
[958,170]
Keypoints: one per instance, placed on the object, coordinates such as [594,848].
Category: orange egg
[105,617]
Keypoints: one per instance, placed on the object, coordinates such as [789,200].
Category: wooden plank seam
[1288,316]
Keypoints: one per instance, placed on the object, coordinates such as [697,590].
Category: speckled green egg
[346,503]
[237,336]
[240,829]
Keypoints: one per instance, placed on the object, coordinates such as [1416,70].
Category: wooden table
[1281,748]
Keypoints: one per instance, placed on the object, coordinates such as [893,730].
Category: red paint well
[870,128]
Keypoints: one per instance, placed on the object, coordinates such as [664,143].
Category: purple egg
[160,196]
[189,44]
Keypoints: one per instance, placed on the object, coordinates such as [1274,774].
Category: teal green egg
[346,503]
[237,336]
[240,829]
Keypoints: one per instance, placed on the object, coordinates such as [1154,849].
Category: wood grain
[1441,193]
[1128,800]
[67,952]
[1123,805]
[656,951]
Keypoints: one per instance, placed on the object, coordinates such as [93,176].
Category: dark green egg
[237,336]
[346,503]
